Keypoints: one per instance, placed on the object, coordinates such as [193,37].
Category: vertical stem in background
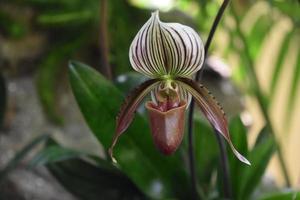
[103,41]
[224,167]
[191,114]
[260,97]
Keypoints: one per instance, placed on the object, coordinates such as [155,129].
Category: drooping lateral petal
[161,49]
[129,107]
[211,110]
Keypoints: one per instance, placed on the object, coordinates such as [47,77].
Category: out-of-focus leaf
[238,133]
[20,155]
[259,157]
[10,26]
[122,23]
[293,90]
[279,62]
[257,35]
[91,182]
[263,136]
[206,152]
[292,195]
[54,153]
[99,100]
[86,180]
[290,9]
[48,74]
[65,18]
[2,99]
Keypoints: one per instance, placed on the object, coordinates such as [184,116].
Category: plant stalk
[226,181]
[260,98]
[192,107]
[103,41]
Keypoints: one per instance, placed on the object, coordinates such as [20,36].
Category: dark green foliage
[11,27]
[135,151]
[90,180]
[288,195]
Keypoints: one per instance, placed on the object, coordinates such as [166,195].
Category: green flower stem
[260,97]
[193,173]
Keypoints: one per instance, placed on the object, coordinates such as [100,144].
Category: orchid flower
[169,54]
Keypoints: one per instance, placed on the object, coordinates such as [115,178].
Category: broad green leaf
[48,72]
[20,155]
[289,195]
[99,100]
[2,99]
[295,84]
[238,134]
[206,152]
[100,180]
[91,182]
[279,62]
[259,157]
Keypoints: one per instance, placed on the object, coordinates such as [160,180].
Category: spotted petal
[129,107]
[211,110]
[161,49]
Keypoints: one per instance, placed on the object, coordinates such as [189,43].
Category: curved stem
[192,106]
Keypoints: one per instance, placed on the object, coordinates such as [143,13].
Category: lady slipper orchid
[169,54]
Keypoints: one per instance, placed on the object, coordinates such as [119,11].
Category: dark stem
[103,41]
[192,105]
[226,182]
[261,98]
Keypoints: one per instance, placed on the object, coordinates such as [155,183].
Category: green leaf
[206,152]
[293,91]
[2,99]
[20,155]
[54,153]
[291,195]
[10,26]
[258,33]
[65,18]
[99,100]
[47,77]
[238,133]
[279,62]
[91,182]
[100,180]
[259,157]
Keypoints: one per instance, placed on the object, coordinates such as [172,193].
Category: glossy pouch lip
[167,127]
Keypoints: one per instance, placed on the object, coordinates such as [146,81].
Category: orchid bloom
[169,54]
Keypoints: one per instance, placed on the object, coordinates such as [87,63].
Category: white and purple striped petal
[166,49]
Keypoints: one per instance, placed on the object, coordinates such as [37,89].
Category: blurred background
[253,69]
